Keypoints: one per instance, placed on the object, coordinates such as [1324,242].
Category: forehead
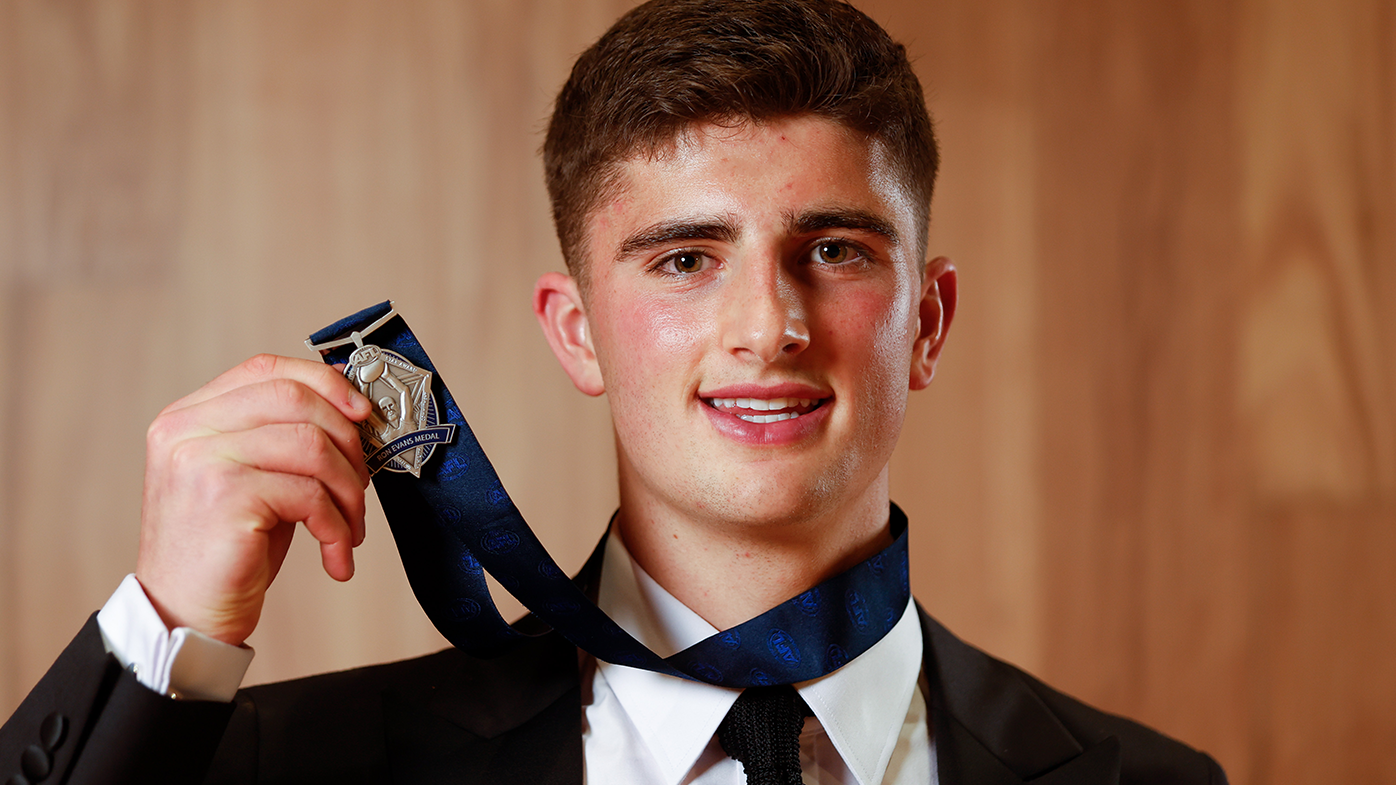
[755,176]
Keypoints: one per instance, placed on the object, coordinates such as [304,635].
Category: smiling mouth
[765,410]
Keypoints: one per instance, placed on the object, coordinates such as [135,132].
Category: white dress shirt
[184,663]
[869,725]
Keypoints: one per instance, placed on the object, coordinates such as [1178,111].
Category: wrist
[182,662]
[173,607]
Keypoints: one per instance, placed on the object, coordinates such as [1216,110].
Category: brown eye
[831,253]
[688,263]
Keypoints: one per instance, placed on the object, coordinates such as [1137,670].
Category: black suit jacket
[451,718]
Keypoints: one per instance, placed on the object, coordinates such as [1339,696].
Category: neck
[728,571]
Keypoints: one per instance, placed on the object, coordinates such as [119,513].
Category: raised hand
[230,470]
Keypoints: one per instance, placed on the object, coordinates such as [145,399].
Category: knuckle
[186,457]
[319,496]
[262,365]
[311,441]
[218,482]
[210,480]
[289,392]
[160,433]
[169,432]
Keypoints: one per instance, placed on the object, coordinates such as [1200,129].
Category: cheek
[875,331]
[646,337]
[873,335]
[672,332]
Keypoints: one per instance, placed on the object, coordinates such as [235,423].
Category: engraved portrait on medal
[402,406]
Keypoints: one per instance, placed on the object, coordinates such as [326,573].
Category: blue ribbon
[456,521]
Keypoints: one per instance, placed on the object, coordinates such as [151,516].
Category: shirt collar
[862,705]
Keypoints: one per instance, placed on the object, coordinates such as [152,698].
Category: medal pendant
[403,429]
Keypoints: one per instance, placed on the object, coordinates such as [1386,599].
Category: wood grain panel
[1158,464]
[102,87]
[1316,385]
[1138,346]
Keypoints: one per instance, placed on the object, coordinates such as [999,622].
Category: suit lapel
[515,719]
[991,728]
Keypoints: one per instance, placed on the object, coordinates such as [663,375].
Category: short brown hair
[669,64]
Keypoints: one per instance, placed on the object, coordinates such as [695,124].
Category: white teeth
[762,404]
[767,418]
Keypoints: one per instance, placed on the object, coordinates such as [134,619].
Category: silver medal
[403,427]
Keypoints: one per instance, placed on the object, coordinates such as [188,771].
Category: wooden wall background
[1158,467]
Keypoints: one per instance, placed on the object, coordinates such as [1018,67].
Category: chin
[772,504]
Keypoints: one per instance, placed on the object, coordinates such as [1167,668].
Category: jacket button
[35,763]
[52,731]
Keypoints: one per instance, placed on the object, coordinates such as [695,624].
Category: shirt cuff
[184,664]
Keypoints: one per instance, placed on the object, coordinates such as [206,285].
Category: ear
[558,305]
[938,292]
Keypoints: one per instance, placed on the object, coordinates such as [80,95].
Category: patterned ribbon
[455,521]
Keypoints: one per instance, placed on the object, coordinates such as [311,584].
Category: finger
[293,497]
[338,559]
[278,544]
[255,406]
[329,383]
[299,449]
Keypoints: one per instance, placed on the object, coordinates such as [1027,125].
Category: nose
[764,313]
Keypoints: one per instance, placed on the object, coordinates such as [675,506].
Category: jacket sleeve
[90,721]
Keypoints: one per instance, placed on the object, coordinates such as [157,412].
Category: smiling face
[756,313]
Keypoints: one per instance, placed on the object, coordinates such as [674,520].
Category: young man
[741,190]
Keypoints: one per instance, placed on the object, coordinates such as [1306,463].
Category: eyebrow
[720,229]
[816,221]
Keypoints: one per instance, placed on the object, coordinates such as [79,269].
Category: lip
[766,391]
[773,434]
